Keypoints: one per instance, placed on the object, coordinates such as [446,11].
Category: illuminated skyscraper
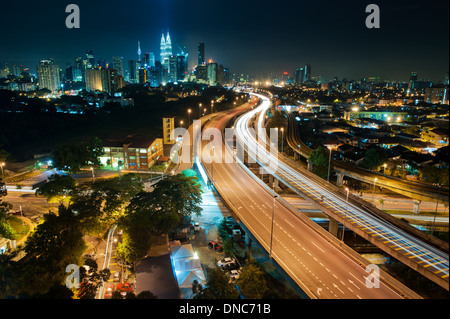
[48,75]
[166,49]
[139,51]
[201,53]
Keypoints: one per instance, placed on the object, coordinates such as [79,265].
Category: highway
[317,264]
[412,189]
[424,255]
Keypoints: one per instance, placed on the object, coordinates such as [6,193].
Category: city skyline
[334,40]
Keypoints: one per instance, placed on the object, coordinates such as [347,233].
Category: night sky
[248,36]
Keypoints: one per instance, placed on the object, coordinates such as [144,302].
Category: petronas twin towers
[166,49]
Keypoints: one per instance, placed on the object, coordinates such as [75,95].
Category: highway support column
[310,165]
[333,226]
[416,208]
[340,179]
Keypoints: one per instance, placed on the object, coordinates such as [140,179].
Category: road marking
[317,246]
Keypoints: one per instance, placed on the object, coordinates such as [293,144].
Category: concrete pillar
[309,165]
[333,226]
[416,208]
[275,185]
[340,179]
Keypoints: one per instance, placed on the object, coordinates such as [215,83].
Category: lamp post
[271,232]
[345,214]
[199,110]
[435,213]
[373,192]
[189,112]
[282,139]
[212,167]
[329,164]
[384,168]
[93,174]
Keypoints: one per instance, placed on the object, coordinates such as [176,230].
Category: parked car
[225,261]
[109,289]
[90,256]
[231,266]
[116,276]
[196,227]
[125,288]
[215,246]
[234,274]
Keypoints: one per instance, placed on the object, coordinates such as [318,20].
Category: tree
[434,175]
[252,281]
[57,187]
[73,156]
[91,282]
[319,161]
[150,213]
[372,159]
[55,243]
[218,286]
[146,294]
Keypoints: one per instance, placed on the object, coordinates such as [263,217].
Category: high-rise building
[201,54]
[151,60]
[172,75]
[133,72]
[166,50]
[103,80]
[181,67]
[299,76]
[94,80]
[90,60]
[201,73]
[79,70]
[212,73]
[139,51]
[307,71]
[118,65]
[48,75]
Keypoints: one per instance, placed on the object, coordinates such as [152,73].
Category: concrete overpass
[415,190]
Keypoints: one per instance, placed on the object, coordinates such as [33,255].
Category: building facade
[132,152]
[48,75]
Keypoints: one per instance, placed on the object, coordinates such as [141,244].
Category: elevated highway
[415,190]
[321,265]
[420,256]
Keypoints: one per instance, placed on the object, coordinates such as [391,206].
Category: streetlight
[181,123]
[93,174]
[373,192]
[435,213]
[189,112]
[3,174]
[212,166]
[271,232]
[199,110]
[329,164]
[282,139]
[384,168]
[345,213]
